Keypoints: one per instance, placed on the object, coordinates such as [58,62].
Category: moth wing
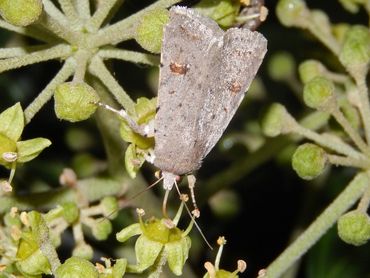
[239,58]
[187,49]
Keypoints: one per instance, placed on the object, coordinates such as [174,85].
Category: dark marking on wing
[177,68]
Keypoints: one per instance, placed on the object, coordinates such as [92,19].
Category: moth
[204,74]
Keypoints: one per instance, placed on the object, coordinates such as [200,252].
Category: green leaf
[12,122]
[29,149]
[133,161]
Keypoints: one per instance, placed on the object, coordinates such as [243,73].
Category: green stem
[356,138]
[83,8]
[364,203]
[54,12]
[347,161]
[124,29]
[46,94]
[353,191]
[30,31]
[364,105]
[82,58]
[98,69]
[58,51]
[10,52]
[93,189]
[130,56]
[330,142]
[68,9]
[59,28]
[100,15]
[327,39]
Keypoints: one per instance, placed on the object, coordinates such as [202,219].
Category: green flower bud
[110,207]
[309,161]
[77,267]
[20,12]
[310,69]
[225,204]
[83,250]
[354,227]
[224,12]
[281,66]
[355,52]
[101,229]
[75,101]
[6,145]
[274,121]
[70,212]
[319,93]
[149,32]
[291,12]
[352,6]
[351,113]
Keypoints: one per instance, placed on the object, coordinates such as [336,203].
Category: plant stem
[348,161]
[353,191]
[119,32]
[130,56]
[338,115]
[30,31]
[54,12]
[83,8]
[364,103]
[58,51]
[98,69]
[68,9]
[329,142]
[82,58]
[46,94]
[100,15]
[10,52]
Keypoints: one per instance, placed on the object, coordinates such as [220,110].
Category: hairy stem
[353,191]
[68,9]
[58,51]
[100,15]
[46,94]
[130,56]
[338,115]
[83,8]
[29,31]
[98,69]
[364,103]
[119,32]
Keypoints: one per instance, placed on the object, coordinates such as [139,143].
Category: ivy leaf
[29,149]
[12,122]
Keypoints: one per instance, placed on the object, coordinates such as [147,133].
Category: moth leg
[191,183]
[144,130]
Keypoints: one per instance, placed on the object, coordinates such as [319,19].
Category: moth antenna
[133,197]
[193,219]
